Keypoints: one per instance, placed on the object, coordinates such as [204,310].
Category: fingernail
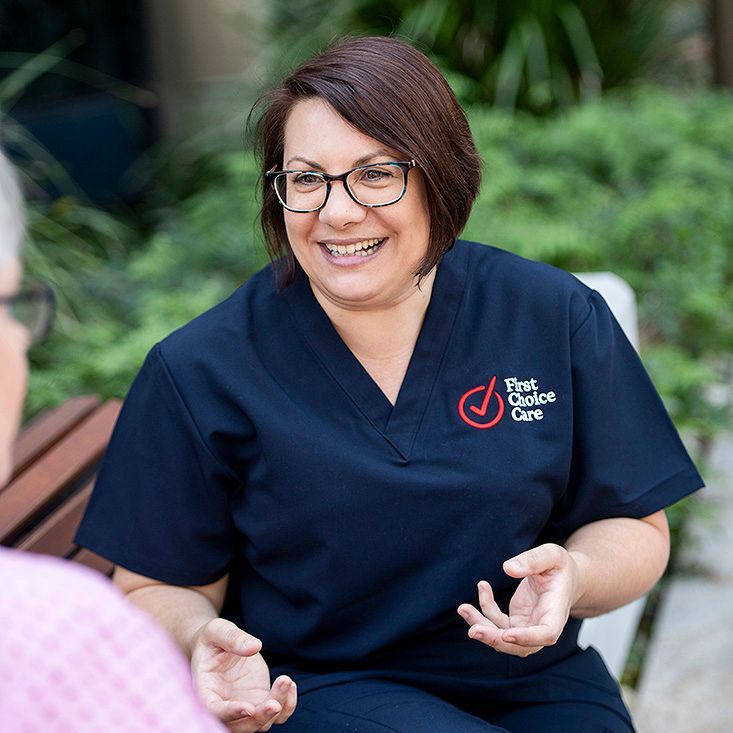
[514,564]
[510,639]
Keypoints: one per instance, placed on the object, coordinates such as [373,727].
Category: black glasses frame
[329,178]
[37,292]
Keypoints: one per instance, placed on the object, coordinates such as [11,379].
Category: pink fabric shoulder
[76,657]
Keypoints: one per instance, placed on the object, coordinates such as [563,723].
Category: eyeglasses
[371,185]
[34,307]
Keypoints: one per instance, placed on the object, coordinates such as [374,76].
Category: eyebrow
[361,161]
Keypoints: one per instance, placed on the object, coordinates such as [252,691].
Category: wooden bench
[55,459]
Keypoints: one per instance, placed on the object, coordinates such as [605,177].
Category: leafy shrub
[640,184]
[200,248]
[531,54]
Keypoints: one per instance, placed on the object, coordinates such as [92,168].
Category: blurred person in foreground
[75,656]
[310,483]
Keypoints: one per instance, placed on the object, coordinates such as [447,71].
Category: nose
[341,210]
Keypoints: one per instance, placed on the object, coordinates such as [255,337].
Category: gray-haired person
[74,654]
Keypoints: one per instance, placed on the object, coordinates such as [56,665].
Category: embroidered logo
[478,409]
[483,407]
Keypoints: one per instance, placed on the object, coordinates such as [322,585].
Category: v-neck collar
[398,424]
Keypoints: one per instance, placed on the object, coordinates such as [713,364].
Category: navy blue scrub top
[253,442]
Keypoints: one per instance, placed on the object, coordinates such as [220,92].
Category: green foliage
[639,184]
[66,235]
[202,246]
[532,54]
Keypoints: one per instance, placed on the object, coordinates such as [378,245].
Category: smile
[359,249]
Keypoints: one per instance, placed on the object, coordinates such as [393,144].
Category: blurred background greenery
[605,127]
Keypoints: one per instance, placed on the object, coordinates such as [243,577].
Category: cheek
[415,217]
[13,377]
[294,227]
[299,228]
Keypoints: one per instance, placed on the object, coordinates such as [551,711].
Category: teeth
[360,248]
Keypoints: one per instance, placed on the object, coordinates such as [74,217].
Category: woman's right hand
[233,679]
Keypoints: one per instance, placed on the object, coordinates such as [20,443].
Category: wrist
[580,563]
[195,630]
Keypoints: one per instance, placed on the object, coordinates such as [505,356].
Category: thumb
[229,637]
[536,561]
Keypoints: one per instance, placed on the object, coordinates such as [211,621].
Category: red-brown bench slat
[55,535]
[46,479]
[48,428]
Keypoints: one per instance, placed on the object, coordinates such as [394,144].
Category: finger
[230,710]
[491,636]
[472,616]
[273,709]
[531,636]
[260,717]
[535,561]
[489,605]
[266,713]
[289,698]
[228,636]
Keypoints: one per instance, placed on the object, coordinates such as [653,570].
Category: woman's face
[316,135]
[14,340]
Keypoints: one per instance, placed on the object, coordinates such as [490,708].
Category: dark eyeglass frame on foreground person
[33,306]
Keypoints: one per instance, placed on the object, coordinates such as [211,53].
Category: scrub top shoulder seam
[157,351]
[588,314]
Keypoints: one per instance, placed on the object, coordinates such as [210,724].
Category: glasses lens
[33,307]
[377,185]
[301,190]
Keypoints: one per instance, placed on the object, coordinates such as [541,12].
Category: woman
[308,481]
[74,655]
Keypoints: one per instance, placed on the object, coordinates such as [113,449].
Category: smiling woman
[401,109]
[392,237]
[310,483]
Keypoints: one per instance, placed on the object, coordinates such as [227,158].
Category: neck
[381,333]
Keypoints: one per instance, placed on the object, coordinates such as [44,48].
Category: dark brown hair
[394,94]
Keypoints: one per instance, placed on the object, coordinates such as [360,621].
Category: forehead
[314,130]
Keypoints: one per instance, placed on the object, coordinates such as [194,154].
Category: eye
[377,174]
[306,178]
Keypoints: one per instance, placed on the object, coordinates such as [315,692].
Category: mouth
[365,248]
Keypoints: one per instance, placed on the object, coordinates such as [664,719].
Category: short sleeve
[161,504]
[627,457]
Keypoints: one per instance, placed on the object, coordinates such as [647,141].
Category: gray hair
[12,222]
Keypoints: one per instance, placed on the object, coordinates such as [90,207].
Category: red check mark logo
[482,410]
[485,404]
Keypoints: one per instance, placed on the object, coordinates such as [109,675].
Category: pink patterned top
[76,657]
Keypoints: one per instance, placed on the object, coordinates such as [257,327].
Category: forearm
[618,560]
[180,610]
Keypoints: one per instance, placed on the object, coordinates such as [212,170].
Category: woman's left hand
[539,608]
